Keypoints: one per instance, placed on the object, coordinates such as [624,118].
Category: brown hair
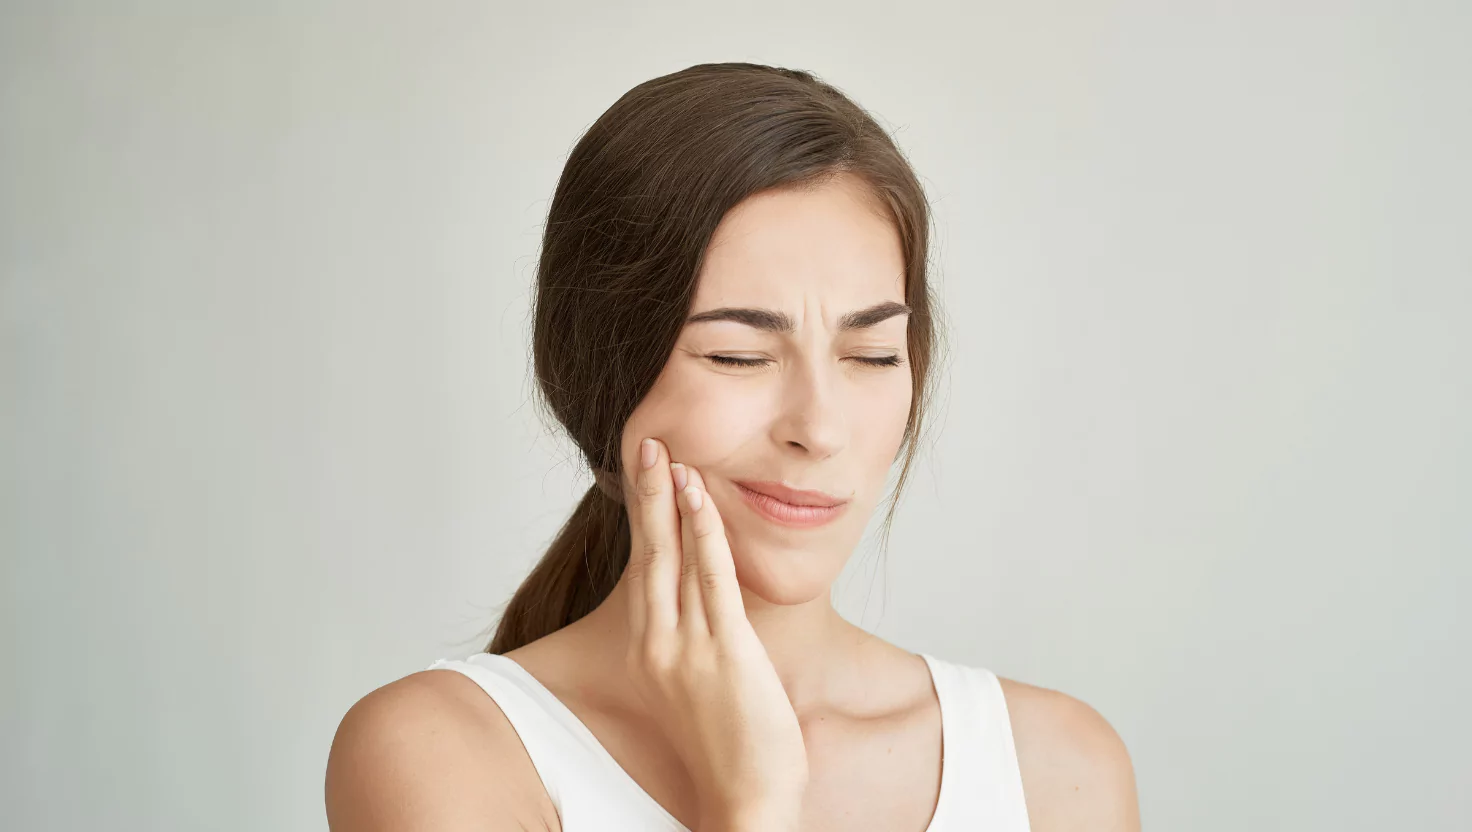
[638,201]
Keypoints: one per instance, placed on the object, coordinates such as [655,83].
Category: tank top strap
[554,750]
[981,783]
[583,781]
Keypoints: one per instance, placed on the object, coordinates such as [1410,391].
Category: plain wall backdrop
[266,440]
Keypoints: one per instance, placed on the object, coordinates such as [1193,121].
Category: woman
[733,324]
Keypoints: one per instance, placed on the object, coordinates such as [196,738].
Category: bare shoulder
[431,751]
[1076,771]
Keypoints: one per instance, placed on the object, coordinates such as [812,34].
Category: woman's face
[820,406]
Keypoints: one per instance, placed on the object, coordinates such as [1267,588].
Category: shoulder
[1076,771]
[430,751]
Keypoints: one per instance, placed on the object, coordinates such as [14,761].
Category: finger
[658,547]
[633,574]
[692,606]
[633,580]
[716,569]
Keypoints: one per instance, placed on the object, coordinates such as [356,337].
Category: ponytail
[579,570]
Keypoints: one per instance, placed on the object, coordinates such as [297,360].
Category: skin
[432,751]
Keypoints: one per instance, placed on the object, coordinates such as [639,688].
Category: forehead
[779,248]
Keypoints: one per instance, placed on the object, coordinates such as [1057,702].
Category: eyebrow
[770,320]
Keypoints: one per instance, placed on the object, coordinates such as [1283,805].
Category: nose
[813,420]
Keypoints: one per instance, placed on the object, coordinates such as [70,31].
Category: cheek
[897,415]
[701,417]
[704,418]
[880,424]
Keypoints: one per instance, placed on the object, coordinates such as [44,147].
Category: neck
[814,650]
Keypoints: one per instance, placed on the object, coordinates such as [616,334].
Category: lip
[789,506]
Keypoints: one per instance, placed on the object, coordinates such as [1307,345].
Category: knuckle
[649,553]
[659,653]
[711,581]
[690,569]
[648,488]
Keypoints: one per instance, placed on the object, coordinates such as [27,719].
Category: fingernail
[692,496]
[648,453]
[678,469]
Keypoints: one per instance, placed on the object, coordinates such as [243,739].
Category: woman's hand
[695,659]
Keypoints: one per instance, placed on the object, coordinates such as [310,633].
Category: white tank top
[980,788]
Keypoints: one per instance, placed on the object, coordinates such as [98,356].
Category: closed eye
[732,361]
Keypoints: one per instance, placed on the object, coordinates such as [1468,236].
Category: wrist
[767,817]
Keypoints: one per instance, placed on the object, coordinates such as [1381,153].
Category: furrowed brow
[763,319]
[865,318]
[769,320]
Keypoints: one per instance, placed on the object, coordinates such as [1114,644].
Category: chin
[784,575]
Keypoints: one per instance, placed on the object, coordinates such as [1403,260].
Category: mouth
[789,506]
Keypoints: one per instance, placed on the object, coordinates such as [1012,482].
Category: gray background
[265,441]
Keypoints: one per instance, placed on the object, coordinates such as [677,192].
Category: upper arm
[420,754]
[1076,771]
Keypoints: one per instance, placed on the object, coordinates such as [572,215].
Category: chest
[883,776]
[875,774]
